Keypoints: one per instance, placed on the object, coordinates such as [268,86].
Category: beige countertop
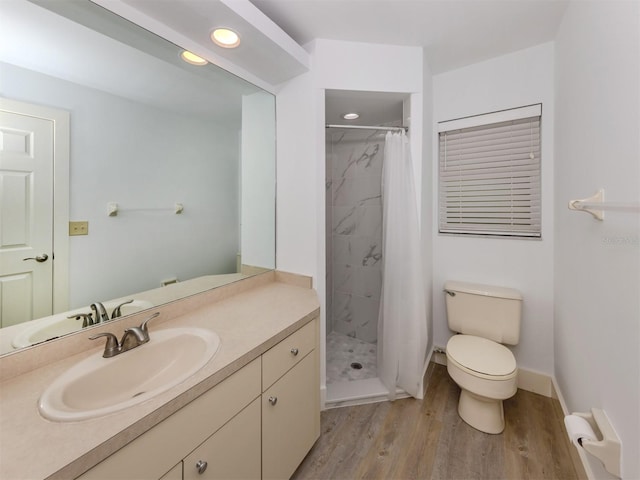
[248,323]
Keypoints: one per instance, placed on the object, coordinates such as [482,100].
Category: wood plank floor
[426,439]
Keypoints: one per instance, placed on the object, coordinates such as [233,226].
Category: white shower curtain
[402,323]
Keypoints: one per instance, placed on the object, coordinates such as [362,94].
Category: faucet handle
[87,319]
[133,337]
[143,327]
[112,347]
[117,312]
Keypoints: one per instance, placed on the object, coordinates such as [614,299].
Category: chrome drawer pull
[273,400]
[201,465]
[294,351]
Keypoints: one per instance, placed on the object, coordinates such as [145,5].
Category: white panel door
[26,217]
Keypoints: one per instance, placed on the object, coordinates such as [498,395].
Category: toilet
[484,317]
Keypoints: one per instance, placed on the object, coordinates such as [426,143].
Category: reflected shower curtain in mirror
[402,322]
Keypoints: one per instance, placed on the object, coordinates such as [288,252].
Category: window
[489,174]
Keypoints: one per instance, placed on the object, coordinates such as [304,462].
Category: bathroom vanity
[252,412]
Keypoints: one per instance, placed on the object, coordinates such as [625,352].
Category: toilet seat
[481,357]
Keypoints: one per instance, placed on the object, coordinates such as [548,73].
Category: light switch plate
[78,228]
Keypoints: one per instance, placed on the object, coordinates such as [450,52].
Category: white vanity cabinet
[258,423]
[160,450]
[290,402]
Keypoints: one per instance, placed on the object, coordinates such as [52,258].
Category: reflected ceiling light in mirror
[225,38]
[351,116]
[192,58]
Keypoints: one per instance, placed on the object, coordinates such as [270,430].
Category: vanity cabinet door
[290,419]
[233,452]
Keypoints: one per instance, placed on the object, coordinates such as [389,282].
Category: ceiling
[262,51]
[454,33]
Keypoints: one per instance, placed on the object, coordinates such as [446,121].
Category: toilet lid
[481,355]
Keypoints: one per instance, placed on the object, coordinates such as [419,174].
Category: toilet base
[484,414]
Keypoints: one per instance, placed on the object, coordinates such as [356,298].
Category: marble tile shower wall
[354,162]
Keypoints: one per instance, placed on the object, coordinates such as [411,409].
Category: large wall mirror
[171,164]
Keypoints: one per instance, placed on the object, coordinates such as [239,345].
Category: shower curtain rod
[368,127]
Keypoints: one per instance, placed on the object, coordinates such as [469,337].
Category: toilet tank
[484,310]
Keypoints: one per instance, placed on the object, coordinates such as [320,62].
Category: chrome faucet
[133,337]
[100,312]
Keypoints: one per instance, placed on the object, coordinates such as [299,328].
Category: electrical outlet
[78,228]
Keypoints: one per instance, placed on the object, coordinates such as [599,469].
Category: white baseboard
[323,397]
[535,382]
[439,358]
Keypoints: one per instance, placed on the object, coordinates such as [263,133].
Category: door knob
[294,351]
[273,400]
[38,258]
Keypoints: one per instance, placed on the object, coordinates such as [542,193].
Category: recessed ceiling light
[350,116]
[192,58]
[225,38]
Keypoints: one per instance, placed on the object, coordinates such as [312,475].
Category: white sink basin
[98,386]
[59,325]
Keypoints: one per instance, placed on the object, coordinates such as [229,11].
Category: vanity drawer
[285,355]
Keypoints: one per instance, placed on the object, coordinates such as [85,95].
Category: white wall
[597,275]
[427,197]
[301,146]
[300,136]
[370,67]
[171,159]
[297,246]
[514,80]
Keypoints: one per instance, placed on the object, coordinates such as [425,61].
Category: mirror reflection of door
[26,212]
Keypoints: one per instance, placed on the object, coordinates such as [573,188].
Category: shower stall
[354,252]
[354,233]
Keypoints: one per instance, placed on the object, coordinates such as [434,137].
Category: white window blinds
[489,180]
